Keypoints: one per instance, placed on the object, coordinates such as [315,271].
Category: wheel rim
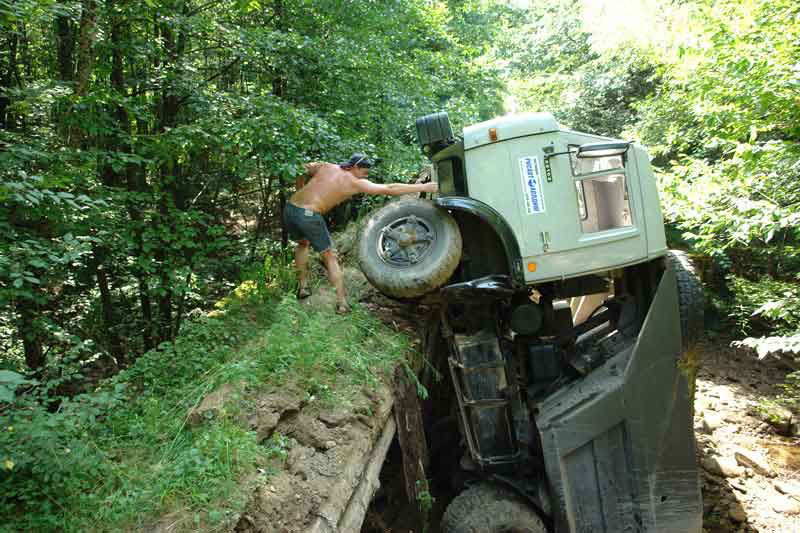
[406,241]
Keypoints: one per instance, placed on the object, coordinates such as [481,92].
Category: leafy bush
[765,305]
[122,455]
[118,455]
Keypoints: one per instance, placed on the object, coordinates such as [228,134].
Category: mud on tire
[409,247]
[489,508]
[690,297]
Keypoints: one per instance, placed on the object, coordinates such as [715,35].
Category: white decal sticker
[531,184]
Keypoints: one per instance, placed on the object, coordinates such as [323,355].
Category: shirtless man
[331,185]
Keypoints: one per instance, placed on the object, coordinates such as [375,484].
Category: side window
[581,167]
[602,192]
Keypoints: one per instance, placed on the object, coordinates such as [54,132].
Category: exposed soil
[319,461]
[750,475]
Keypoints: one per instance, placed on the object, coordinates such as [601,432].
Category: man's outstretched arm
[394,189]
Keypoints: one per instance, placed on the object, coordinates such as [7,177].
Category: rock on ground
[317,484]
[750,473]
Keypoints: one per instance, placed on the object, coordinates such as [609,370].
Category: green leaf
[6,394]
[7,377]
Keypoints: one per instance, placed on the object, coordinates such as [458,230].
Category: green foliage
[425,499]
[553,67]
[777,346]
[135,154]
[122,455]
[277,446]
[774,304]
[724,126]
[330,356]
[279,273]
[48,454]
[782,410]
[138,144]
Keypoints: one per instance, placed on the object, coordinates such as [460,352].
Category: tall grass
[125,457]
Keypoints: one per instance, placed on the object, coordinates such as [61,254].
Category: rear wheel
[489,508]
[691,303]
[690,297]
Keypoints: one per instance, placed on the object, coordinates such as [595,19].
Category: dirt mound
[320,460]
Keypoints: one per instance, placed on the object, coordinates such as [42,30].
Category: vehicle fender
[496,221]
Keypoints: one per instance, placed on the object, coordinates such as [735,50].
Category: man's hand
[430,187]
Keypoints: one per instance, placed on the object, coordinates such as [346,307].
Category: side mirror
[604,149]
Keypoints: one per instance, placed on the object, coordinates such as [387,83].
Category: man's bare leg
[336,279]
[301,263]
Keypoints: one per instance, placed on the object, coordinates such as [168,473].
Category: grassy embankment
[123,456]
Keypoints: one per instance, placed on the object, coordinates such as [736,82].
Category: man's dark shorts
[306,224]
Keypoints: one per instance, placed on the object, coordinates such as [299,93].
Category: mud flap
[619,444]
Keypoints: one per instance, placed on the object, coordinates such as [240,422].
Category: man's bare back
[332,185]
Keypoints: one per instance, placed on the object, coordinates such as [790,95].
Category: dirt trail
[750,475]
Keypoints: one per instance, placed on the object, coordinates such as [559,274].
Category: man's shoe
[303,293]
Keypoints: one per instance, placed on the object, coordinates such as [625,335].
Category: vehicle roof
[509,127]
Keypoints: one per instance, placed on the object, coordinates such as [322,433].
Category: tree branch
[222,71]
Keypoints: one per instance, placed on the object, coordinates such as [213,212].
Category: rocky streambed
[750,457]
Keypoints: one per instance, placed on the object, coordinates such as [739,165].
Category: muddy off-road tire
[690,296]
[409,248]
[488,508]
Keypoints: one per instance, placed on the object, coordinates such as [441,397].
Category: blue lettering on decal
[532,190]
[533,201]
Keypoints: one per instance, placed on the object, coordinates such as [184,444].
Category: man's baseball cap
[358,159]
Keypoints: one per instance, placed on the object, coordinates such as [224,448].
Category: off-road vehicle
[564,324]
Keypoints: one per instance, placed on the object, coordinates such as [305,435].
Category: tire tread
[489,508]
[690,296]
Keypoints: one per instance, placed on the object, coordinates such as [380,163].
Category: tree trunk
[278,77]
[261,215]
[87,35]
[284,232]
[106,303]
[65,39]
[147,312]
[8,73]
[172,183]
[31,336]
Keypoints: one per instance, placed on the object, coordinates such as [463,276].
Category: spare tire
[409,247]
